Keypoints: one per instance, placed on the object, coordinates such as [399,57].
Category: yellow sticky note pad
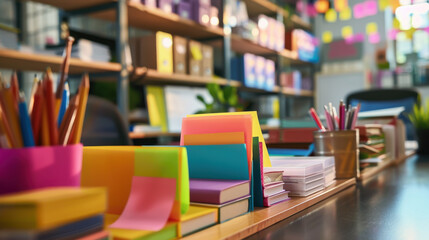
[327,37]
[346,14]
[383,4]
[331,15]
[347,31]
[196,53]
[371,28]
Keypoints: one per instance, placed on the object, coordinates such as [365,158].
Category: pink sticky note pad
[149,204]
[359,10]
[374,38]
[370,8]
[392,34]
[38,167]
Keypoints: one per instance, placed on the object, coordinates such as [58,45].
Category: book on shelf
[217,191]
[197,218]
[276,198]
[73,230]
[273,189]
[304,186]
[272,177]
[307,192]
[228,210]
[51,207]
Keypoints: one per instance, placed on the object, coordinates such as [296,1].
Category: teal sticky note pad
[218,162]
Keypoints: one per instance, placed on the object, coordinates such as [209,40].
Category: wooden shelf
[242,45]
[246,225]
[294,92]
[256,7]
[155,19]
[134,135]
[69,5]
[144,75]
[12,59]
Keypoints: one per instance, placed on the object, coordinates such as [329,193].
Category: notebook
[229,210]
[217,191]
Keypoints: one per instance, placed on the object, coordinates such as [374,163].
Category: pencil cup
[343,145]
[38,167]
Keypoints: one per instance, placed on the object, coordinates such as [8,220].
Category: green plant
[223,99]
[420,116]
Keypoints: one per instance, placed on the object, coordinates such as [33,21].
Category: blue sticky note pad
[218,162]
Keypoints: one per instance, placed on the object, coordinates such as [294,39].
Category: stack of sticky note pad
[148,191]
[327,161]
[53,213]
[301,178]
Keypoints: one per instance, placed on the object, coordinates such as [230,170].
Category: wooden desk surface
[261,218]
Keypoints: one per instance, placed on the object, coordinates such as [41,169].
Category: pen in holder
[343,145]
[38,167]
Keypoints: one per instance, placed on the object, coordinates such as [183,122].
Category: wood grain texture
[261,218]
[72,4]
[140,16]
[13,59]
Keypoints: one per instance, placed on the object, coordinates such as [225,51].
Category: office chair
[103,124]
[387,98]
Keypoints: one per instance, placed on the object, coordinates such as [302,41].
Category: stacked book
[53,213]
[300,178]
[273,188]
[371,145]
[230,197]
[327,161]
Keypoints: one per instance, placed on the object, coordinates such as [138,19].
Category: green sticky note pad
[166,162]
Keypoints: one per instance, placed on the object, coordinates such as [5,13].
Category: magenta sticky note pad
[38,167]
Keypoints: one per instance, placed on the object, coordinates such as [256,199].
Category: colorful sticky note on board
[218,162]
[347,31]
[358,11]
[359,37]
[340,5]
[204,124]
[383,4]
[256,129]
[396,23]
[149,204]
[392,34]
[394,4]
[331,15]
[346,14]
[114,167]
[374,38]
[214,138]
[370,8]
[371,28]
[327,37]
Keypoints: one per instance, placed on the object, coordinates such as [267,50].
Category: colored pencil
[11,115]
[33,91]
[316,119]
[49,103]
[342,114]
[14,86]
[64,104]
[37,112]
[27,131]
[355,117]
[69,119]
[328,119]
[4,135]
[83,98]
[64,73]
